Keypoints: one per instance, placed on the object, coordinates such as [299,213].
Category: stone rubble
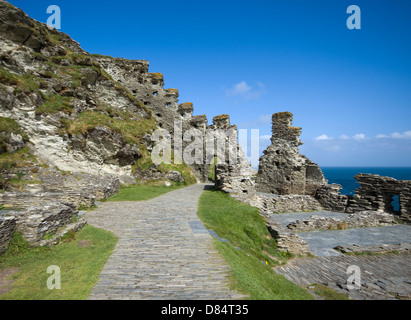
[287,241]
[375,249]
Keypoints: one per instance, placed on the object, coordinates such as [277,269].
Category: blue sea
[345,175]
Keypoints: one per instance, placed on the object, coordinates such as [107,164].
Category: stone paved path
[385,276]
[162,252]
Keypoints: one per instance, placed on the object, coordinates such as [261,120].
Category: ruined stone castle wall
[374,194]
[282,169]
[169,113]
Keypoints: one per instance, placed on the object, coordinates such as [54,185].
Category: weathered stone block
[36,222]
[7,228]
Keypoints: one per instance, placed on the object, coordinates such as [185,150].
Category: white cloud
[239,89]
[359,136]
[323,137]
[382,136]
[344,137]
[246,92]
[405,135]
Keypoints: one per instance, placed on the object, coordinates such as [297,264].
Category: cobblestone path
[160,255]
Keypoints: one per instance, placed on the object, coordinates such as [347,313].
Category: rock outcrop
[94,113]
[282,169]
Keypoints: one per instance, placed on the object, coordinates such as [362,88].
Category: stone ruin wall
[297,184]
[37,214]
[7,227]
[374,194]
[25,200]
[282,169]
[169,113]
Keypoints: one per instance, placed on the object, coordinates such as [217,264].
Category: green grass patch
[131,130]
[54,104]
[144,163]
[211,169]
[19,159]
[145,191]
[26,82]
[328,293]
[80,266]
[252,264]
[184,169]
[9,126]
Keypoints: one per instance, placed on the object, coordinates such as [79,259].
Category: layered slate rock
[37,222]
[7,228]
[287,241]
[283,170]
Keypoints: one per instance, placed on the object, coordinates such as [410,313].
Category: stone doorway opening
[395,204]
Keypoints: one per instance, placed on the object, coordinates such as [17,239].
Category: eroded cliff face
[282,169]
[89,113]
[62,99]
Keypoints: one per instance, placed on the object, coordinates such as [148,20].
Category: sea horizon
[345,175]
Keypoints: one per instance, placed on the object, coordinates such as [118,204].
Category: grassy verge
[252,253]
[145,191]
[328,293]
[80,266]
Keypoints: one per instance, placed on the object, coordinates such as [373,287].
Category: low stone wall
[7,227]
[287,241]
[330,198]
[25,200]
[358,220]
[36,222]
[374,194]
[378,249]
[290,203]
[57,238]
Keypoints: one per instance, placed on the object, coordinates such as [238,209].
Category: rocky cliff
[63,107]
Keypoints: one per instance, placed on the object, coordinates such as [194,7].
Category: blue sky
[350,90]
